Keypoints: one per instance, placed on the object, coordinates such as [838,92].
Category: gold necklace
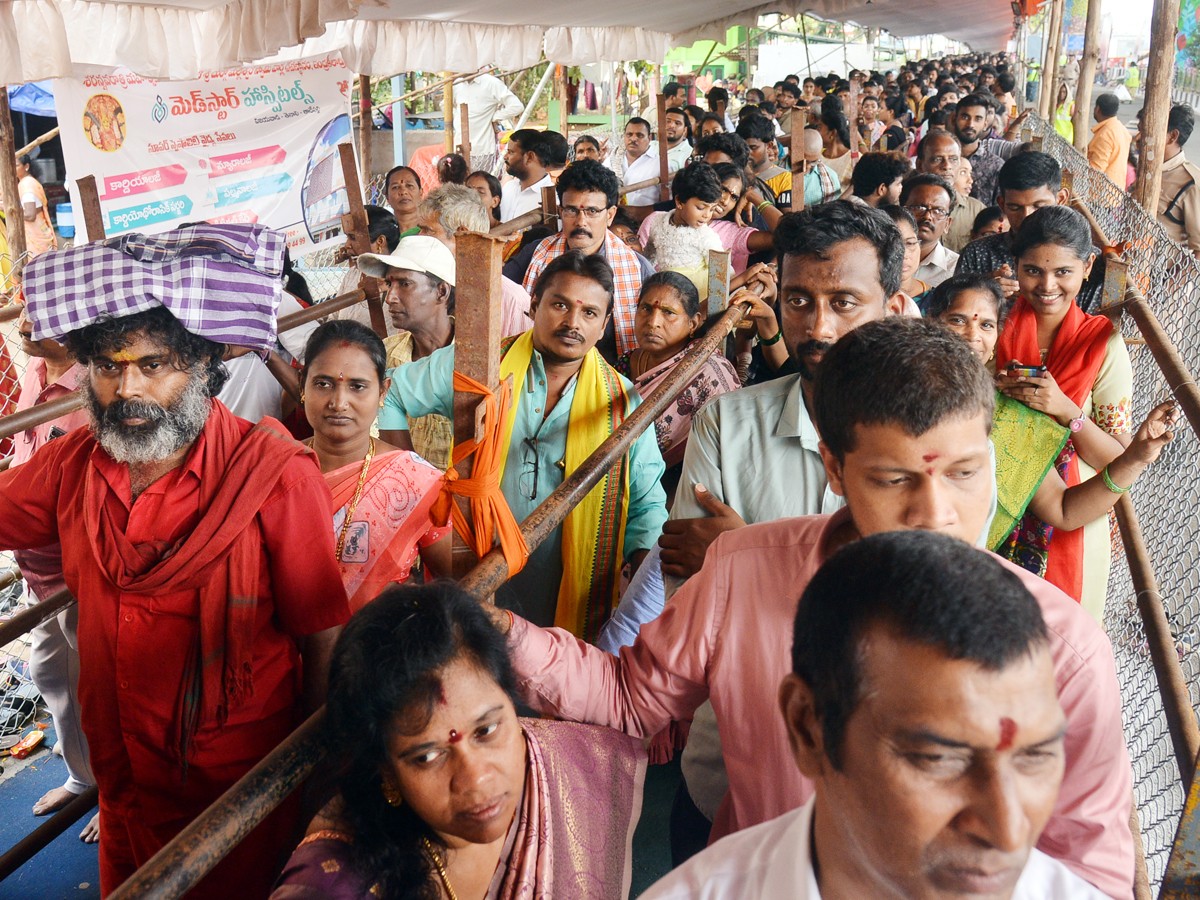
[362,481]
[436,859]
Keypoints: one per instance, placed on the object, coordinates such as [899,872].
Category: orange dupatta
[1074,359]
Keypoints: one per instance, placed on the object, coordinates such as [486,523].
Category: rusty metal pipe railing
[31,617]
[1180,381]
[641,185]
[1180,880]
[180,865]
[1176,698]
[39,414]
[42,413]
[34,842]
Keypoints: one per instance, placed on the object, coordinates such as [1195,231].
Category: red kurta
[133,646]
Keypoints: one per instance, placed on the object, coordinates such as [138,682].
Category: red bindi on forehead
[1008,731]
[455,736]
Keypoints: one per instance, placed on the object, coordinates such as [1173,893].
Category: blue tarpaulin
[35,98]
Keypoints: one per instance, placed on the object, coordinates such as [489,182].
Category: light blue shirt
[535,467]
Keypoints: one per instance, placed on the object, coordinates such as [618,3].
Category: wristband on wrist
[775,340]
[1110,484]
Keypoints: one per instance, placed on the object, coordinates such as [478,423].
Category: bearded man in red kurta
[197,545]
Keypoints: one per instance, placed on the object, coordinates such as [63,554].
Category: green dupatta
[1027,445]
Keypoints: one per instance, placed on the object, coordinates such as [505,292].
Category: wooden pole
[1160,73]
[358,238]
[664,186]
[14,218]
[798,120]
[479,260]
[1049,95]
[448,111]
[560,96]
[1081,120]
[364,126]
[38,141]
[89,199]
[464,142]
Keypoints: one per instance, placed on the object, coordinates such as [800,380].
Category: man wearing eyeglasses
[587,202]
[566,402]
[930,198]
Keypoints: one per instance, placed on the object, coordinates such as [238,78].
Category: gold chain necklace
[362,481]
[436,859]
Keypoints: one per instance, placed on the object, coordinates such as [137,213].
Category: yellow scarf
[594,531]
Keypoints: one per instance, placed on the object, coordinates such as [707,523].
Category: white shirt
[938,265]
[516,200]
[773,861]
[642,168]
[677,156]
[487,99]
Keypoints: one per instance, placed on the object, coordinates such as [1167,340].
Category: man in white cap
[419,280]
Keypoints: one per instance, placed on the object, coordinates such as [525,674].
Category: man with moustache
[587,202]
[939,154]
[903,409]
[202,642]
[922,706]
[566,401]
[930,198]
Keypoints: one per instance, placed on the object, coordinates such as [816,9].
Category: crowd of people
[855,573]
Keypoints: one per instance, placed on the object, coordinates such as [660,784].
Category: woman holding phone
[1058,360]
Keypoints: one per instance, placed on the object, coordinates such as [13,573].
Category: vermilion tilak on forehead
[1008,731]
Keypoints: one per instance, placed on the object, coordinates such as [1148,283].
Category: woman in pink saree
[443,792]
[382,495]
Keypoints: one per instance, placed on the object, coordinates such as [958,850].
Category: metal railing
[1152,615]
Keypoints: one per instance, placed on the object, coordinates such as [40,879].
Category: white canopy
[178,39]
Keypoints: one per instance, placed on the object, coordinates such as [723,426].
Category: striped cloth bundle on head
[222,282]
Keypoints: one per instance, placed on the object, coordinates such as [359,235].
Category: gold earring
[302,398]
[391,793]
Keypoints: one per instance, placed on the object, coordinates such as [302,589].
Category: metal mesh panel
[1167,498]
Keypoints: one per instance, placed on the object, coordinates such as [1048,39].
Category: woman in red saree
[1086,386]
[382,495]
[442,790]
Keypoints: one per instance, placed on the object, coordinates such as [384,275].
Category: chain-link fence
[1167,498]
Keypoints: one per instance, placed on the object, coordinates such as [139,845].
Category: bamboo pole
[1160,73]
[1049,96]
[448,111]
[364,126]
[1087,75]
[464,139]
[38,141]
[14,217]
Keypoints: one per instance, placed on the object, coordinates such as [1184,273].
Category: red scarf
[1075,357]
[219,557]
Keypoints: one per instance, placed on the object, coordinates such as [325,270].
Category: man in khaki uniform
[1179,202]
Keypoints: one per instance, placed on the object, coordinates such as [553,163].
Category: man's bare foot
[53,801]
[91,831]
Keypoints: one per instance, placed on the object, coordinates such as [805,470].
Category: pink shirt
[42,567]
[718,640]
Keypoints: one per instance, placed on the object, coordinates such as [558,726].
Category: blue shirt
[535,467]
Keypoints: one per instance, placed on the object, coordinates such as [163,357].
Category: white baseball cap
[417,253]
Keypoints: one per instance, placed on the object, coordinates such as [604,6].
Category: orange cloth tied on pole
[490,516]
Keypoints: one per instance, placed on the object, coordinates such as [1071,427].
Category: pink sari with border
[391,523]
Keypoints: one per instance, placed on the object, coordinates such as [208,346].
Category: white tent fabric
[177,39]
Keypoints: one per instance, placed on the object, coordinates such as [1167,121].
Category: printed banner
[257,144]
